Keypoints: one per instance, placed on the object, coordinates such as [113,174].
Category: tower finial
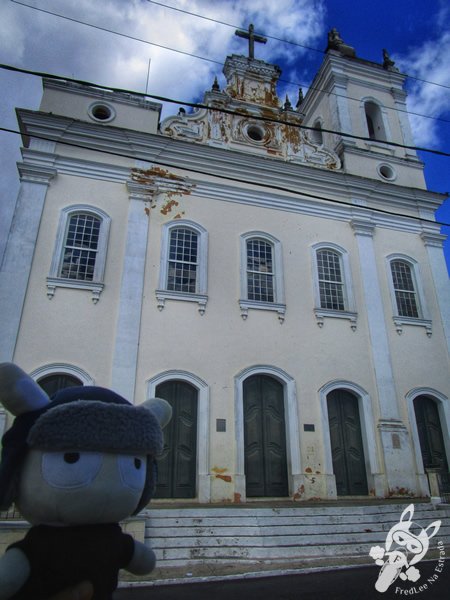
[300,98]
[287,104]
[215,85]
[388,63]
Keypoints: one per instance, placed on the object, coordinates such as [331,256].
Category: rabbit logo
[406,544]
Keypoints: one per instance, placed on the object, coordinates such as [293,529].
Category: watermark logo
[406,545]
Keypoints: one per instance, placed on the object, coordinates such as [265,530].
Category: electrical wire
[219,109]
[197,56]
[229,178]
[125,35]
[271,37]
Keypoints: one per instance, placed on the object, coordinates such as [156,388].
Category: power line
[233,179]
[219,109]
[197,56]
[271,37]
[125,35]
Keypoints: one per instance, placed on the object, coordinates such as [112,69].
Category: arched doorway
[177,466]
[347,449]
[430,434]
[58,381]
[266,472]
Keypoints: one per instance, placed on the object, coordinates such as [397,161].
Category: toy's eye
[71,457]
[133,471]
[70,469]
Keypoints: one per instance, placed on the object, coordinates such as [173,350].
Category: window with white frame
[332,284]
[260,271]
[184,256]
[404,289]
[408,299]
[183,260]
[261,274]
[80,247]
[80,251]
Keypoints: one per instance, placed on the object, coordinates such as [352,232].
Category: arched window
[374,121]
[80,247]
[260,271]
[184,259]
[80,250]
[316,133]
[182,270]
[330,279]
[404,289]
[333,284]
[408,299]
[261,274]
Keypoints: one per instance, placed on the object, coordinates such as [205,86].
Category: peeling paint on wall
[162,186]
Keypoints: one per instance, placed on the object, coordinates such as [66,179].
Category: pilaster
[402,112]
[364,231]
[433,242]
[19,252]
[395,441]
[131,291]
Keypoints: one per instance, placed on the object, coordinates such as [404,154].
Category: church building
[274,271]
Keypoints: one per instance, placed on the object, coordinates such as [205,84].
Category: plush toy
[75,466]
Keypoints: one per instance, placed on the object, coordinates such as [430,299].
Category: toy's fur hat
[86,418]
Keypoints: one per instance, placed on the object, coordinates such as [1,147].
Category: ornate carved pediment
[247,116]
[250,134]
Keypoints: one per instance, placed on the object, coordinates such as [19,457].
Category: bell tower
[351,96]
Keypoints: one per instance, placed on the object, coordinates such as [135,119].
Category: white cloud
[42,42]
[429,93]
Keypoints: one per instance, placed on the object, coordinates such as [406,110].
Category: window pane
[405,293]
[260,276]
[331,287]
[80,248]
[183,255]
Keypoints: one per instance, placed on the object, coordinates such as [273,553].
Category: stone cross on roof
[252,37]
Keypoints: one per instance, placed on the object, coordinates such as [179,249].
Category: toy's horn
[19,393]
[160,408]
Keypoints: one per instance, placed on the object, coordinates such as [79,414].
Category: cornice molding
[149,146]
[182,157]
[71,87]
[364,227]
[33,173]
[140,191]
[433,238]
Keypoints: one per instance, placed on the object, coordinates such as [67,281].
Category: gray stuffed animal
[75,466]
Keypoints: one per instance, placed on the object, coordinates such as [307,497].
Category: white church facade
[274,272]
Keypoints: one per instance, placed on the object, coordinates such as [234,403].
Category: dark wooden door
[265,437]
[53,383]
[177,466]
[430,434]
[346,444]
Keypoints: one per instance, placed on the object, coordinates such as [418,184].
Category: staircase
[289,535]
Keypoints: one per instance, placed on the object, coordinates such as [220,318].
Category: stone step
[290,511]
[190,536]
[222,519]
[261,540]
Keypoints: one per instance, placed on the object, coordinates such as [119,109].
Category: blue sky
[415,32]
